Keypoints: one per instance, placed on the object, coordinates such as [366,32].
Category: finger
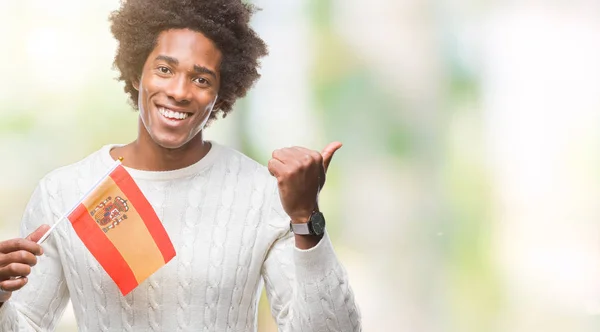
[38,233]
[275,166]
[313,159]
[316,156]
[21,256]
[306,157]
[13,284]
[322,173]
[20,244]
[304,152]
[328,152]
[301,149]
[4,296]
[277,154]
[284,155]
[14,270]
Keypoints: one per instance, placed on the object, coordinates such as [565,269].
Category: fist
[300,174]
[17,256]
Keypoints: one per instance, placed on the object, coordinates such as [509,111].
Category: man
[234,224]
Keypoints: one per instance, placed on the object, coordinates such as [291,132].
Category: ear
[136,84]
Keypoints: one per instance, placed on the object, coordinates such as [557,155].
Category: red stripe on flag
[145,210]
[105,252]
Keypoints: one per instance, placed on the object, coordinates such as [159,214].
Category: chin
[170,146]
[169,143]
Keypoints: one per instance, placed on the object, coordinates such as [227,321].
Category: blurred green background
[465,197]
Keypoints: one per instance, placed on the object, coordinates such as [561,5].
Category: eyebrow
[197,69]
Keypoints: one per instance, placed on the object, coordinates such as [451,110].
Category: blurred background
[465,197]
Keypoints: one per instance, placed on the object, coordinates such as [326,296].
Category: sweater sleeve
[308,290]
[39,305]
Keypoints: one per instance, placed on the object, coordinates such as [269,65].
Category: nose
[179,90]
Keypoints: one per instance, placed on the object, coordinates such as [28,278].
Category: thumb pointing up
[327,153]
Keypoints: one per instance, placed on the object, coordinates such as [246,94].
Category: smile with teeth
[169,114]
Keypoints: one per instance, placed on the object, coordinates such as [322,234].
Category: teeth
[167,113]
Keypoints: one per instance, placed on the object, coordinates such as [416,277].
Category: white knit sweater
[231,235]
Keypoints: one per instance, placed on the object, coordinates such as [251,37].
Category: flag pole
[112,168]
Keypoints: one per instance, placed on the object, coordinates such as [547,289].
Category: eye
[201,80]
[164,70]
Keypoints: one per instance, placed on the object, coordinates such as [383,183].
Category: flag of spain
[120,228]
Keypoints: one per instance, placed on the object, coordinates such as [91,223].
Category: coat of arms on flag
[110,212]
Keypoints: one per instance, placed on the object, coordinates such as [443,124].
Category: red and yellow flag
[119,227]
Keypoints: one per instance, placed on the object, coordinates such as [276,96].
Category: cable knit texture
[224,217]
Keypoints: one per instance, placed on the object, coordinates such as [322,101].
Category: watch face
[318,223]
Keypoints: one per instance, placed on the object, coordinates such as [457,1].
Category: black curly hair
[137,24]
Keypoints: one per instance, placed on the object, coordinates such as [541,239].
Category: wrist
[304,217]
[305,242]
[300,220]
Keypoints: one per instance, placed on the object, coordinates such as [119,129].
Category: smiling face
[178,88]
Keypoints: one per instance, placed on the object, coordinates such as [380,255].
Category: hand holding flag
[17,257]
[117,225]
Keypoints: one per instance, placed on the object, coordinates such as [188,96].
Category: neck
[145,154]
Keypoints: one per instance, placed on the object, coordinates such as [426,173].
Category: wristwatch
[314,226]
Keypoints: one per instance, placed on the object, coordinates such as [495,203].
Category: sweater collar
[193,169]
